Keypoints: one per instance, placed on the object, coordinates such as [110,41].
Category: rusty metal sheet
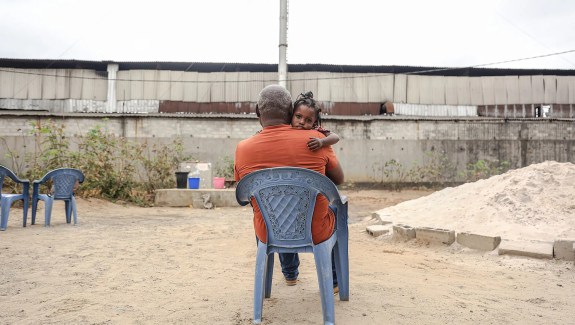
[167,106]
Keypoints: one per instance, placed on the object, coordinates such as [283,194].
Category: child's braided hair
[307,100]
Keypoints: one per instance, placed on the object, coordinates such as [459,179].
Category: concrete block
[563,249]
[543,250]
[435,235]
[377,230]
[480,242]
[403,232]
[195,198]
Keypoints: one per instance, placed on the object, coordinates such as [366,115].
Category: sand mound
[532,203]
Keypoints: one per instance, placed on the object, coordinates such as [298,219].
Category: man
[277,145]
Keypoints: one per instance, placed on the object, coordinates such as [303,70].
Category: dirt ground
[130,265]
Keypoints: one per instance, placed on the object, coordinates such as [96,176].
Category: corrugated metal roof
[264,67]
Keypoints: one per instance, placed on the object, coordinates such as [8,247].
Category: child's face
[303,118]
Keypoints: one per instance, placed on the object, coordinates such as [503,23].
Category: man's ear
[257,111]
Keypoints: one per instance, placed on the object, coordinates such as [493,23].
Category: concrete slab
[383,218]
[479,242]
[543,250]
[185,197]
[435,235]
[403,232]
[377,230]
[563,249]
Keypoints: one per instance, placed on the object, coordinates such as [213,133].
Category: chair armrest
[15,178]
[25,182]
[36,188]
[26,188]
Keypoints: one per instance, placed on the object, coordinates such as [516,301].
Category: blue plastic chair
[63,184]
[6,200]
[286,197]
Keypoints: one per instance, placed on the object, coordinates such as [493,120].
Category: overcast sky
[439,33]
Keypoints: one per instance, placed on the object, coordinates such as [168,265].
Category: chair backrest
[63,181]
[6,172]
[286,197]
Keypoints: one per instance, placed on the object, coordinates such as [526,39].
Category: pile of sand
[532,203]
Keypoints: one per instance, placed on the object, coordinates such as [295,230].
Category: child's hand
[314,144]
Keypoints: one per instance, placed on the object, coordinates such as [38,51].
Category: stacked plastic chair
[63,183]
[6,200]
[286,197]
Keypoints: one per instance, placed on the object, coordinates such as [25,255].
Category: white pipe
[282,66]
[111,98]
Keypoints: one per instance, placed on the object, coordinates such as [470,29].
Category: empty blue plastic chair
[6,200]
[63,183]
[286,197]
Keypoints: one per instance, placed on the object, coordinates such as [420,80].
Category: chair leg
[342,269]
[48,211]
[68,211]
[4,214]
[322,256]
[341,253]
[269,275]
[259,282]
[75,211]
[34,207]
[25,217]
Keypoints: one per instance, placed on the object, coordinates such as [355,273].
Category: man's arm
[335,174]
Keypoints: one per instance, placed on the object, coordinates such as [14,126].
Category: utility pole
[282,66]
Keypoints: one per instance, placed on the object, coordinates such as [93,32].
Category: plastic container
[219,182]
[181,179]
[194,183]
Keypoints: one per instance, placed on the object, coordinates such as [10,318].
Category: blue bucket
[194,183]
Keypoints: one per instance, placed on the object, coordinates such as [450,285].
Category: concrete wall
[368,142]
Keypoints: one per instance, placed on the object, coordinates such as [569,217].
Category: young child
[306,116]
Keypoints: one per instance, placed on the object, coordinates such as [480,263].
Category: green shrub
[483,169]
[114,167]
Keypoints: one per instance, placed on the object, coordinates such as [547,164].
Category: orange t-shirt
[280,146]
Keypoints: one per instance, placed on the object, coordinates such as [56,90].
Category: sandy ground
[130,265]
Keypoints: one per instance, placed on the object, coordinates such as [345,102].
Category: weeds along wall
[373,149]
